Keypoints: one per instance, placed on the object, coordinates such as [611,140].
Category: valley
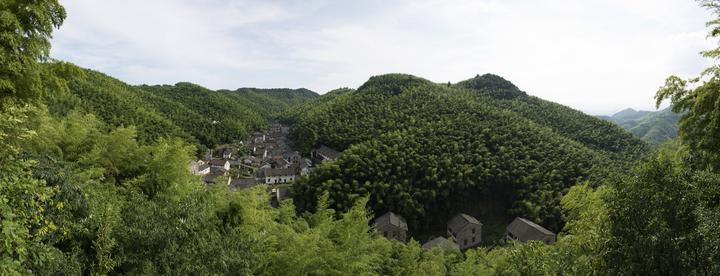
[398,175]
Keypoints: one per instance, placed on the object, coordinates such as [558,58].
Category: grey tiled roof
[217,162]
[459,221]
[525,230]
[328,152]
[392,219]
[242,183]
[279,172]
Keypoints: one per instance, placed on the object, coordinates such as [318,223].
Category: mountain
[428,150]
[195,113]
[654,127]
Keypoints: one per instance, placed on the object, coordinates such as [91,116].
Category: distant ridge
[654,127]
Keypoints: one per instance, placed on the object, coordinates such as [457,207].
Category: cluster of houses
[263,158]
[463,231]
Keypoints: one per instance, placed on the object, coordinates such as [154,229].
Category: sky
[598,56]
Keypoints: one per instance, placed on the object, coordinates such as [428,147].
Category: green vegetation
[189,111]
[654,127]
[423,149]
[86,192]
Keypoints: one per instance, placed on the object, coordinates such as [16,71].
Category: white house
[277,176]
[199,167]
[217,163]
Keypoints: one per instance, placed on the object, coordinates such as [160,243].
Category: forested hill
[197,114]
[655,127]
[570,123]
[428,150]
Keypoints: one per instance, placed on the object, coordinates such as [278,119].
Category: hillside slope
[428,150]
[654,127]
[567,122]
[197,114]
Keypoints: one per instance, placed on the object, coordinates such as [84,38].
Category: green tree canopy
[25,31]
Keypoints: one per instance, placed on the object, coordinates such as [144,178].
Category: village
[267,158]
[262,158]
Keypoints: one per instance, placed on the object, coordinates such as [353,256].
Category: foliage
[25,202]
[191,112]
[652,210]
[572,124]
[698,99]
[423,150]
[96,181]
[654,127]
[25,31]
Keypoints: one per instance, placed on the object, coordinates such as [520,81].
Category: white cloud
[597,56]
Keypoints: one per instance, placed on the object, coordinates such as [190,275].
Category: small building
[265,165]
[260,151]
[199,167]
[279,163]
[279,194]
[391,226]
[276,128]
[303,166]
[251,161]
[324,153]
[291,156]
[219,163]
[524,230]
[277,176]
[243,183]
[212,178]
[227,153]
[442,243]
[258,138]
[203,169]
[466,230]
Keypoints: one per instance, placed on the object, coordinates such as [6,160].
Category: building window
[385,233]
[473,230]
[465,242]
[473,239]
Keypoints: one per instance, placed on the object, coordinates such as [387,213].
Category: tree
[25,202]
[25,34]
[699,99]
[653,225]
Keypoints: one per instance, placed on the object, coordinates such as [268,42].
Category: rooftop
[327,152]
[525,229]
[392,219]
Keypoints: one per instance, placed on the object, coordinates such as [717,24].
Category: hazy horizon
[597,56]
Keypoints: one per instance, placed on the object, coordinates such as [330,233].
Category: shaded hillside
[654,127]
[427,150]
